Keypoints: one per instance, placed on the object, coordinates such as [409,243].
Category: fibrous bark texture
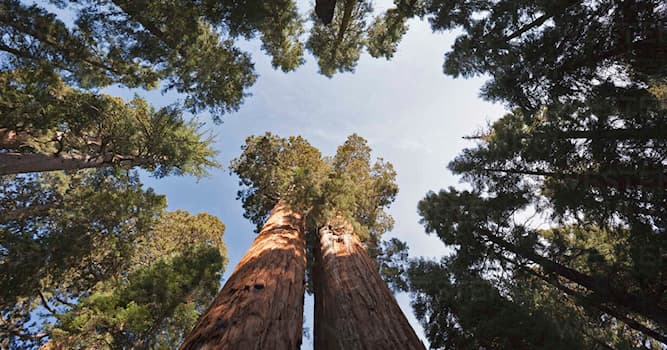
[354,308]
[261,304]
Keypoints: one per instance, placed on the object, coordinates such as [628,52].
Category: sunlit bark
[261,304]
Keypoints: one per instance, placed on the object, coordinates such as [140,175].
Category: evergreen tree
[595,273]
[583,148]
[96,258]
[338,42]
[47,125]
[318,192]
[134,43]
[539,53]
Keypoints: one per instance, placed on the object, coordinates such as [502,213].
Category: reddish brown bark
[261,304]
[354,308]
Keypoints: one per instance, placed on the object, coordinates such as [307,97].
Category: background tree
[47,125]
[582,150]
[595,273]
[95,255]
[133,43]
[460,309]
[338,44]
[541,53]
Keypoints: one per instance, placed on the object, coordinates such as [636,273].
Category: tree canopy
[272,168]
[47,125]
[565,215]
[338,45]
[97,257]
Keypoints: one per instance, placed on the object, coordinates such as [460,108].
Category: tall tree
[268,283]
[460,309]
[133,43]
[177,269]
[346,186]
[540,53]
[348,288]
[338,42]
[53,63]
[488,237]
[261,304]
[350,296]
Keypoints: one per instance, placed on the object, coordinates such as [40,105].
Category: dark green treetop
[273,168]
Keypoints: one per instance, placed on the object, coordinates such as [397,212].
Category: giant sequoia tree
[334,204]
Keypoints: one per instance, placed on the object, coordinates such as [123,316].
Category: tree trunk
[261,304]
[19,163]
[644,134]
[354,308]
[654,178]
[585,301]
[600,288]
[325,10]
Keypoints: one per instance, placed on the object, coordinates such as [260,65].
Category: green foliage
[581,268]
[346,186]
[273,168]
[392,259]
[461,310]
[95,255]
[135,43]
[544,52]
[66,233]
[153,308]
[338,45]
[47,117]
[281,32]
[385,33]
[583,148]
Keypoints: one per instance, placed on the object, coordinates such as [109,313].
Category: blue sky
[410,112]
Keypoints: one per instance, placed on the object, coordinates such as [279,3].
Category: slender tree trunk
[644,134]
[261,304]
[31,211]
[354,308]
[600,288]
[19,163]
[595,303]
[655,178]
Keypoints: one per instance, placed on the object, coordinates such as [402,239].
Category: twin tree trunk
[354,308]
[261,304]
